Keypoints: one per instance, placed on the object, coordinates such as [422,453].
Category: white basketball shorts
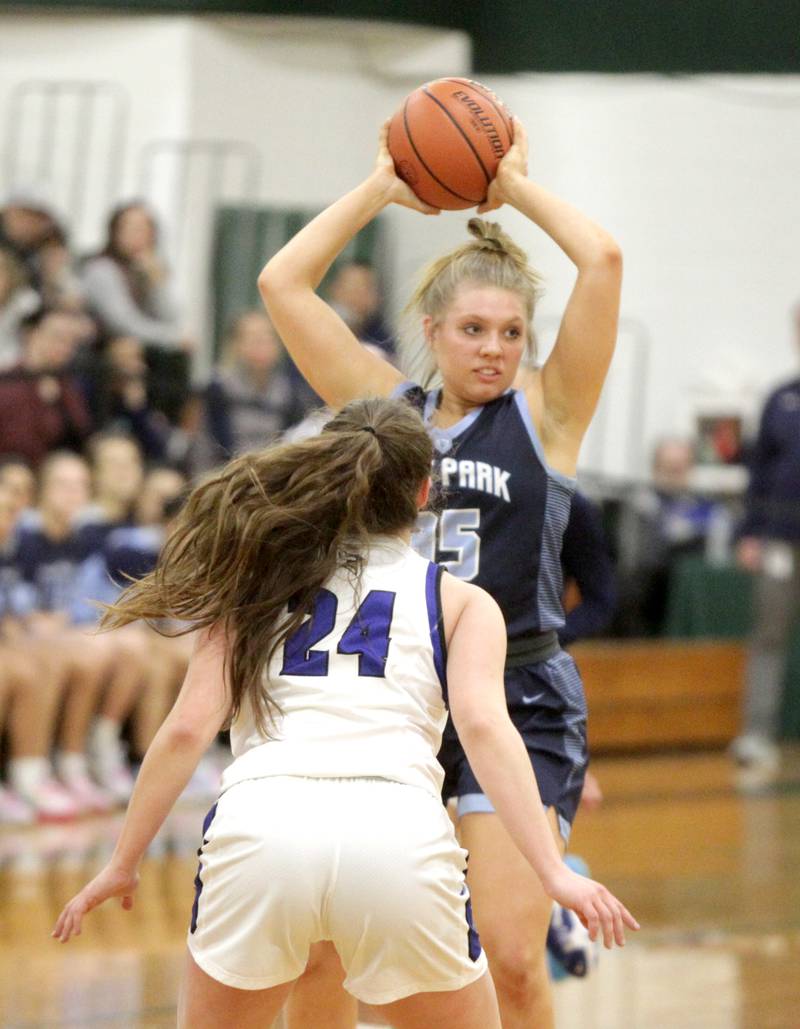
[370,864]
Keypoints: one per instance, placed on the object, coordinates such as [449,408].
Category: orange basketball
[447,139]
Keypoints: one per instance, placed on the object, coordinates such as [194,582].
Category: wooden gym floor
[710,865]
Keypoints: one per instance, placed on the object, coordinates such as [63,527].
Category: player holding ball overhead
[506,459]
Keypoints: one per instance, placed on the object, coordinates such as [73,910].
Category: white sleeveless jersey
[361,683]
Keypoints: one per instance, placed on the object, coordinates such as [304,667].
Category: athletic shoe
[569,949]
[90,798]
[13,809]
[51,801]
[115,778]
[758,752]
[569,944]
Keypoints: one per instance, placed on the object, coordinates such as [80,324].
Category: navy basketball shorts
[372,865]
[547,705]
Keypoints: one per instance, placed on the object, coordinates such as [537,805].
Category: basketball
[447,139]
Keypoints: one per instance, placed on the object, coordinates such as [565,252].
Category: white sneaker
[90,798]
[51,801]
[114,776]
[14,810]
[751,751]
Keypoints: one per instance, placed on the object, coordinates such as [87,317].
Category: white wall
[695,176]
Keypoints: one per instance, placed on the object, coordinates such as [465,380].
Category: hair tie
[368,428]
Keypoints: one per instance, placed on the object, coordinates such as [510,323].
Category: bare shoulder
[464,602]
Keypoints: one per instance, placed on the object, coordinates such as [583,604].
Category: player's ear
[427,329]
[424,493]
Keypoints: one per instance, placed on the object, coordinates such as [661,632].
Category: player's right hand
[596,907]
[110,882]
[398,192]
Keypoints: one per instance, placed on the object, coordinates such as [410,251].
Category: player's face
[479,342]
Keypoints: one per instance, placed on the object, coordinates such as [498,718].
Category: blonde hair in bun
[490,258]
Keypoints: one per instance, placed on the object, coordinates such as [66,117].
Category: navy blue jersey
[503,511]
[16,596]
[51,566]
[132,551]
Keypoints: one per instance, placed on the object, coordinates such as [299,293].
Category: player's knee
[520,973]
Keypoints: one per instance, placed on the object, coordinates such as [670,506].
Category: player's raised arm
[496,752]
[195,719]
[573,376]
[324,349]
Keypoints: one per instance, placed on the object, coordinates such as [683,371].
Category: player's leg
[318,997]
[473,1007]
[775,601]
[512,915]
[205,1003]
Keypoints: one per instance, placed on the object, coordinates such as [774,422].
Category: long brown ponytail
[271,528]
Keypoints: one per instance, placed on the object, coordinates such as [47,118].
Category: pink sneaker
[89,797]
[116,780]
[13,809]
[52,802]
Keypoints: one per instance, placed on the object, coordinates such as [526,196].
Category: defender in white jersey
[331,643]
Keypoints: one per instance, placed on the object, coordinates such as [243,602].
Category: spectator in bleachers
[105,674]
[664,522]
[17,301]
[128,285]
[41,405]
[27,220]
[354,293]
[30,690]
[118,397]
[131,551]
[117,475]
[769,546]
[129,289]
[19,482]
[249,400]
[60,284]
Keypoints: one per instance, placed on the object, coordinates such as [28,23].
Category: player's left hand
[512,167]
[596,907]
[111,882]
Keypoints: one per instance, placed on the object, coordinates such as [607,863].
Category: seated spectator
[131,551]
[30,690]
[41,405]
[249,400]
[128,284]
[664,521]
[103,674]
[118,397]
[354,294]
[129,290]
[18,482]
[27,220]
[17,301]
[117,476]
[59,282]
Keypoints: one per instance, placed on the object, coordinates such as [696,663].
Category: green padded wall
[246,237]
